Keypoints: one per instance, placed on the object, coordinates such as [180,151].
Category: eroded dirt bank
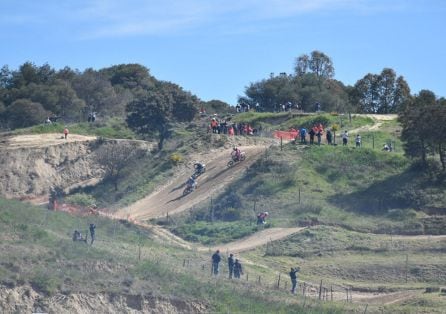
[31,164]
[24,299]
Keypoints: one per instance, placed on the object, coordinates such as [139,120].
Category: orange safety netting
[286,135]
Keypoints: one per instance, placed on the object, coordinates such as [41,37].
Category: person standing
[231,265]
[319,137]
[328,135]
[238,270]
[65,132]
[358,140]
[92,233]
[293,278]
[303,133]
[345,138]
[216,258]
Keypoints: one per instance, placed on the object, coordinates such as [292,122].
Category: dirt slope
[258,239]
[169,198]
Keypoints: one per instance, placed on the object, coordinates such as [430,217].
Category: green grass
[209,233]
[38,251]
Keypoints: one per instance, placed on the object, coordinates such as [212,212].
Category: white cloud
[117,18]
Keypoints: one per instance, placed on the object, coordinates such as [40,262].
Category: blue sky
[215,48]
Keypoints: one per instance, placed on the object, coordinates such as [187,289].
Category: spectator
[48,120]
[303,133]
[329,137]
[65,132]
[293,278]
[358,140]
[312,134]
[92,233]
[231,265]
[345,138]
[319,137]
[238,270]
[216,258]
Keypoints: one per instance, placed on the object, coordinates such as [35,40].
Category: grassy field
[38,251]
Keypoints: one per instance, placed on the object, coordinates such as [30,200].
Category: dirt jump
[169,199]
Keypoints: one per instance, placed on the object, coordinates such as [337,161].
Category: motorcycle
[234,159]
[198,172]
[189,188]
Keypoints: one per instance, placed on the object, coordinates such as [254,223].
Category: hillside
[359,219]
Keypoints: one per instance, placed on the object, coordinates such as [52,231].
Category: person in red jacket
[65,133]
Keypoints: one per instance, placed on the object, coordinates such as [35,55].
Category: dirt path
[258,239]
[378,121]
[41,140]
[169,198]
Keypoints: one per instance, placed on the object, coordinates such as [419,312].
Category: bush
[176,158]
[81,199]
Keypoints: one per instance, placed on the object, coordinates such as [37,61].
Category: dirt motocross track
[169,198]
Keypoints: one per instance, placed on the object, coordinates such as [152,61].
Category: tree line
[150,107]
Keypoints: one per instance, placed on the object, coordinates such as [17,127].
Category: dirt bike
[189,189]
[198,172]
[235,159]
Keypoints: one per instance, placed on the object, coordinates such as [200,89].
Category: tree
[380,93]
[321,65]
[97,92]
[155,112]
[318,63]
[23,113]
[114,158]
[423,121]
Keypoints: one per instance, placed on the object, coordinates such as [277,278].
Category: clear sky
[215,48]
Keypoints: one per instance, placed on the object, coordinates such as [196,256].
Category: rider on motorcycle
[199,167]
[192,183]
[236,153]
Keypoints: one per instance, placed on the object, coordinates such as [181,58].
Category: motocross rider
[236,153]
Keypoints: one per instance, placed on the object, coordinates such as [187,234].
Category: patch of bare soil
[169,198]
[41,140]
[25,299]
[258,239]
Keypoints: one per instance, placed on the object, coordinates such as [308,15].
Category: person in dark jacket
[293,278]
[216,258]
[231,265]
[92,233]
[238,270]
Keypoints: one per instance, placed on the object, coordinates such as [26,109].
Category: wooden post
[184,262]
[373,141]
[365,310]
[407,265]
[278,282]
[212,211]
[247,278]
[346,290]
[331,290]
[299,195]
[304,288]
[281,143]
[259,279]
[167,217]
[320,290]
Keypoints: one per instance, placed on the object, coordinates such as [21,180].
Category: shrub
[81,199]
[176,158]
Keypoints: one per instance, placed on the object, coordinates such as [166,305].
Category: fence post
[331,290]
[281,143]
[299,195]
[373,141]
[259,279]
[278,282]
[320,290]
[247,277]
